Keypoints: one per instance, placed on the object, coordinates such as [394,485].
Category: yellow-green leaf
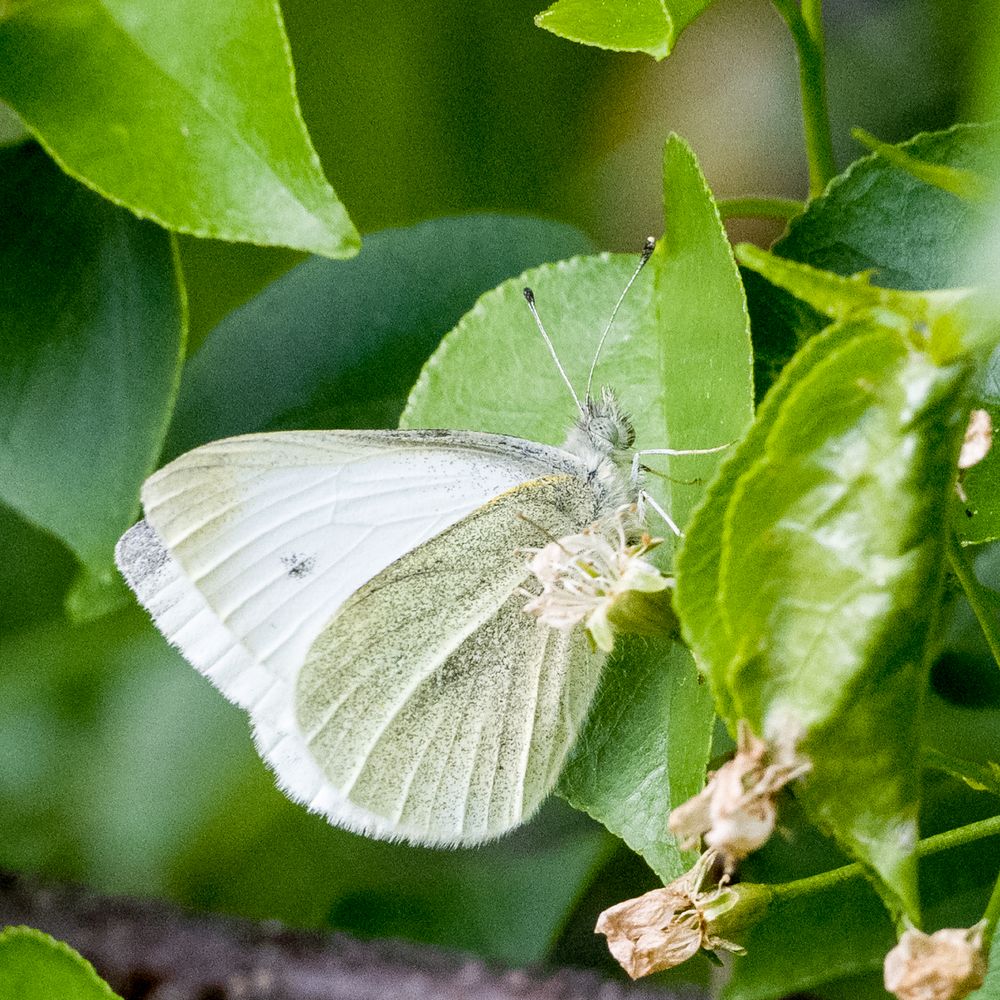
[649,26]
[34,966]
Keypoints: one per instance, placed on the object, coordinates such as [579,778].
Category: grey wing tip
[139,556]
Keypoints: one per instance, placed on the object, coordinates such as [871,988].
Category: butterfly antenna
[529,297]
[647,251]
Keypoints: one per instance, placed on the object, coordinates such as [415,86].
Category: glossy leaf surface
[911,235]
[649,26]
[652,703]
[184,113]
[824,604]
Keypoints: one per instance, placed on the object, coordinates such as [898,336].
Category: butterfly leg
[637,456]
[645,498]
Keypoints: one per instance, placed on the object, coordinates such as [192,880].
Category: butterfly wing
[432,707]
[251,544]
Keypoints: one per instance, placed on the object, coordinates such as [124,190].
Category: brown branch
[153,950]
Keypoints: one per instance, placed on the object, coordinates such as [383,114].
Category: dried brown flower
[736,811]
[946,965]
[667,926]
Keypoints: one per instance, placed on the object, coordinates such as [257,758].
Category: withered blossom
[665,927]
[946,965]
[736,811]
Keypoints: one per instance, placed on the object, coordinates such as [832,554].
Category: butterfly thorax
[602,437]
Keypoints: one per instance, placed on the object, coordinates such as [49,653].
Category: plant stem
[992,913]
[976,594]
[806,26]
[932,845]
[760,208]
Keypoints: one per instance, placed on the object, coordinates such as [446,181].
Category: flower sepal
[645,612]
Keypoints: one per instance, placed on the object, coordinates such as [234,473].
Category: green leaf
[493,372]
[698,566]
[951,322]
[873,217]
[186,114]
[340,344]
[35,574]
[12,130]
[911,235]
[957,181]
[702,311]
[630,775]
[34,966]
[649,26]
[828,602]
[780,324]
[679,357]
[92,321]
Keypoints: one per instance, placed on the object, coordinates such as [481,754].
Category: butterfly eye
[604,430]
[617,433]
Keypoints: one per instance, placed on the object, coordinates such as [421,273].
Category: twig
[152,950]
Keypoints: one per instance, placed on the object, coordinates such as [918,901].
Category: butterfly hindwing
[432,701]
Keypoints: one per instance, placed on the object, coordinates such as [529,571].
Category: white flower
[736,811]
[585,576]
[946,965]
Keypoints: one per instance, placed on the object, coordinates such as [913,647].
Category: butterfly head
[602,437]
[606,425]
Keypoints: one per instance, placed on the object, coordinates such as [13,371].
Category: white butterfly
[360,594]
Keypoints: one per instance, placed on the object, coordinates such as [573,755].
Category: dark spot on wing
[298,565]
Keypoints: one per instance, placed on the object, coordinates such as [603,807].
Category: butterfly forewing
[259,539]
[431,700]
[251,545]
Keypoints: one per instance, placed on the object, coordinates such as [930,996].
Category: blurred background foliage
[419,111]
[123,769]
